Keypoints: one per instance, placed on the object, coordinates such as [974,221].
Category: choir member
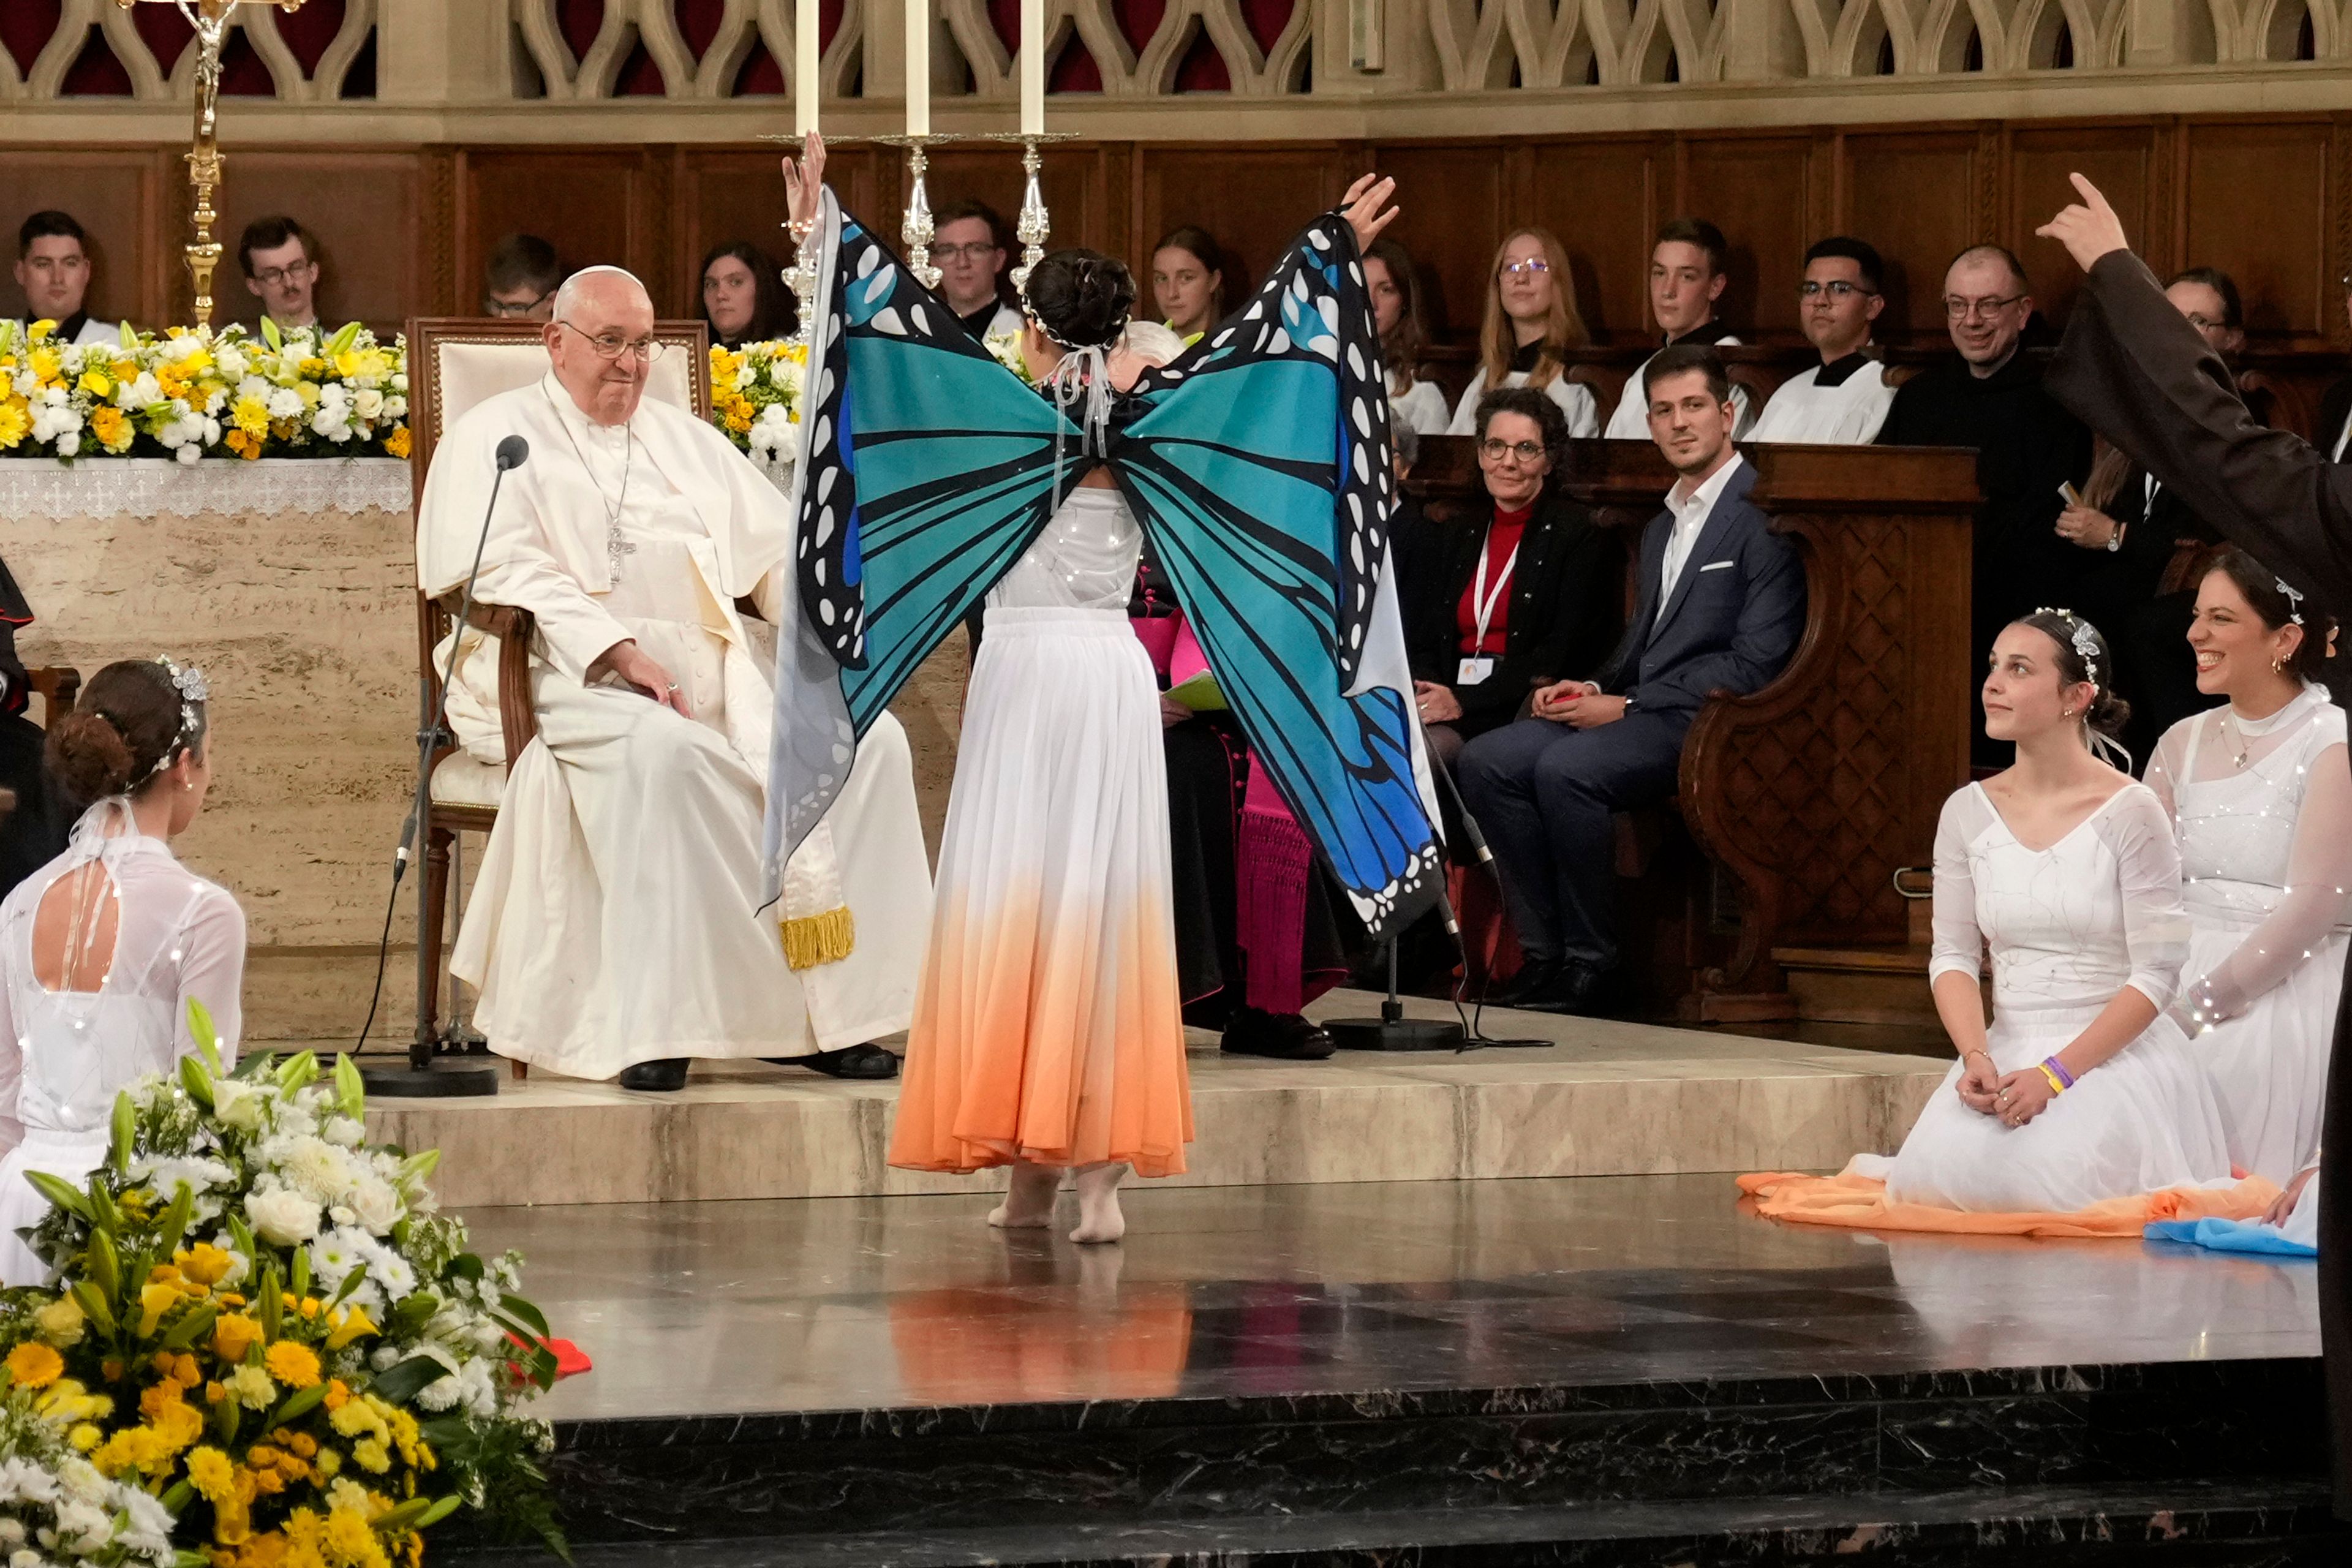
[1843,399]
[2262,805]
[1188,281]
[1531,323]
[1687,278]
[744,299]
[1990,398]
[520,280]
[968,248]
[280,263]
[1394,286]
[53,269]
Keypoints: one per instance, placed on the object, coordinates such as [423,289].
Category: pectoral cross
[615,547]
[210,20]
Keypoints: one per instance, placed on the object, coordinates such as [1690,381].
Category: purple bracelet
[2055,1065]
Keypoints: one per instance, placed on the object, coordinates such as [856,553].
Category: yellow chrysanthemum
[35,1365]
[296,1366]
[15,424]
[45,366]
[252,1388]
[372,1455]
[210,1473]
[250,415]
[111,426]
[350,1541]
[395,444]
[61,1321]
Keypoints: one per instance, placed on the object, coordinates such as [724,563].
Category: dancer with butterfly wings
[930,479]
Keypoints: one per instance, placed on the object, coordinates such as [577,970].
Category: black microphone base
[439,1080]
[1394,1035]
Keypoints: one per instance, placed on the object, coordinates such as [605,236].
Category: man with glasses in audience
[2029,450]
[1844,400]
[614,930]
[280,261]
[968,248]
[53,269]
[519,282]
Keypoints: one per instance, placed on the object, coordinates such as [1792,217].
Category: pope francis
[614,928]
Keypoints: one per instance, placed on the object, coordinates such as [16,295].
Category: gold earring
[2278,666]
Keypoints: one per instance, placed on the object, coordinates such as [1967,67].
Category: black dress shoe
[1532,978]
[1576,990]
[850,1061]
[662,1076]
[1285,1036]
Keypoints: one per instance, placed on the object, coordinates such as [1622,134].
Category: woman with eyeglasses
[1529,593]
[1531,323]
[744,299]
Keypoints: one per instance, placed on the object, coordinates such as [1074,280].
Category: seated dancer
[102,949]
[618,925]
[2262,805]
[1722,606]
[2082,1103]
[1531,593]
[1258,936]
[1047,1037]
[2133,366]
[32,829]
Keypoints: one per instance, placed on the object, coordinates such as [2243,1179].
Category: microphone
[513,453]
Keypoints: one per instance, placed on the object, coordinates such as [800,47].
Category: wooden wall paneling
[2118,158]
[1072,177]
[116,194]
[1602,196]
[594,204]
[1454,202]
[1759,190]
[365,208]
[2255,199]
[722,194]
[1253,199]
[1913,194]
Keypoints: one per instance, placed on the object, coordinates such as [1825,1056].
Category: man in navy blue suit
[1723,602]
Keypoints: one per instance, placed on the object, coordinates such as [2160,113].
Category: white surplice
[614,918]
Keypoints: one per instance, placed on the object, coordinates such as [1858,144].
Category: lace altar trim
[150,487]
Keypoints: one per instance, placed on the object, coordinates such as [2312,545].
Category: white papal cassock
[613,920]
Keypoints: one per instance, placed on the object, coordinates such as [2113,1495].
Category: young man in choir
[1686,278]
[1990,396]
[1722,605]
[519,282]
[968,248]
[1844,400]
[280,262]
[53,269]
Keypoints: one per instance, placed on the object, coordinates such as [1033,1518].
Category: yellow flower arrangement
[35,1365]
[755,393]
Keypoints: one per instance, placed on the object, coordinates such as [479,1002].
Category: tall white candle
[919,68]
[807,66]
[1032,68]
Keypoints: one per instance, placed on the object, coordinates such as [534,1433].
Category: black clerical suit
[2133,366]
[2335,430]
[1545,791]
[2124,593]
[33,834]
[2027,446]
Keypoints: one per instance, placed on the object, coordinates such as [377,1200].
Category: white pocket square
[1717,566]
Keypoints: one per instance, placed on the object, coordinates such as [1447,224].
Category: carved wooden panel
[1455,203]
[2255,204]
[2120,159]
[1604,198]
[1251,199]
[1758,190]
[594,204]
[1912,195]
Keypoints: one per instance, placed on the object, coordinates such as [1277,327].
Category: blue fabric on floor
[2227,1235]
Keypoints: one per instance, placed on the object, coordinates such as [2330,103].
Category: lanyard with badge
[1478,665]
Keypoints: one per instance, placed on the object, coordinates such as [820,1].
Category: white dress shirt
[1691,505]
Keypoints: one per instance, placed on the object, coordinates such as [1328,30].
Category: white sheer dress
[2069,927]
[64,1055]
[2263,814]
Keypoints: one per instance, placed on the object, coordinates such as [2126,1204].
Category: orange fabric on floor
[1861,1203]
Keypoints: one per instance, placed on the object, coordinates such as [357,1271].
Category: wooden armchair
[454,364]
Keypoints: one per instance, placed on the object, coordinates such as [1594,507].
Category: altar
[292,582]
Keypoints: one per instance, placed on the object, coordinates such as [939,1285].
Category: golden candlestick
[210,20]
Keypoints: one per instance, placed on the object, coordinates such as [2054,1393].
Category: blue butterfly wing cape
[1257,464]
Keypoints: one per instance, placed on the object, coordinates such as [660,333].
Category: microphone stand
[424,1076]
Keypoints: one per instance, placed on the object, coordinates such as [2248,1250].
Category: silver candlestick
[915,232]
[1035,225]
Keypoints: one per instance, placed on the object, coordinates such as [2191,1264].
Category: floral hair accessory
[189,682]
[2293,600]
[2085,640]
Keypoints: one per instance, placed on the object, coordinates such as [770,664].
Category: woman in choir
[2262,804]
[1188,281]
[102,949]
[1531,593]
[2083,1100]
[1531,323]
[1389,279]
[744,299]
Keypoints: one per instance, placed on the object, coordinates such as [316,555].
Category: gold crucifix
[210,19]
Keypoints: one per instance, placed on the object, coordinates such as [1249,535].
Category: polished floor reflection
[870,1303]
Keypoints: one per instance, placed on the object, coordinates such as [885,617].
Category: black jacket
[2334,407]
[1567,597]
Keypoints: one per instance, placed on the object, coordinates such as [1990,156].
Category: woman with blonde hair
[1531,323]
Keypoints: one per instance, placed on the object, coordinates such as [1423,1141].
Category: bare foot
[1029,1204]
[1099,1218]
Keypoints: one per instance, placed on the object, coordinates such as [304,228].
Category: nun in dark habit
[2133,369]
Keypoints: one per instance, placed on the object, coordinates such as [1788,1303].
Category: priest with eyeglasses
[615,928]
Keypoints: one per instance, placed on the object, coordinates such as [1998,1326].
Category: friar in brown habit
[2133,369]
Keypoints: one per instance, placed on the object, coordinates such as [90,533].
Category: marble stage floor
[1248,1293]
[1598,1097]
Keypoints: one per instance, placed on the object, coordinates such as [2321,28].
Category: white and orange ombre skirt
[1047,1026]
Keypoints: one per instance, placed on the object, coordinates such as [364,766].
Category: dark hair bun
[88,756]
[2108,714]
[1082,298]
